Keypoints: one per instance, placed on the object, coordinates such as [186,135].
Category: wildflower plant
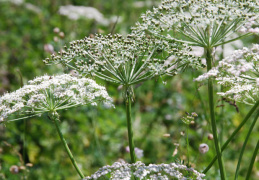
[141,171]
[48,94]
[206,24]
[239,74]
[125,61]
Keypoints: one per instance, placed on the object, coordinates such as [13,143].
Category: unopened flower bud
[22,168]
[55,38]
[29,164]
[203,148]
[56,30]
[61,35]
[210,136]
[14,169]
[166,135]
[194,114]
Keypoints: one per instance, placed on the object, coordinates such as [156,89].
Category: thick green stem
[212,115]
[244,145]
[55,119]
[233,135]
[129,124]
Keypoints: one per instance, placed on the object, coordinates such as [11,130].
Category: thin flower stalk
[55,118]
[249,114]
[252,161]
[244,145]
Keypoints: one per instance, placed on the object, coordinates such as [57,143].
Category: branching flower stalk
[48,94]
[206,24]
[125,61]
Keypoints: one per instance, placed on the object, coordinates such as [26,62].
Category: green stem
[187,143]
[252,161]
[244,145]
[129,124]
[212,115]
[233,135]
[54,117]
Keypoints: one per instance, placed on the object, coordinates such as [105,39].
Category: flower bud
[203,148]
[61,35]
[210,136]
[56,30]
[14,169]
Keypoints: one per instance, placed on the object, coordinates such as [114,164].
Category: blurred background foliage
[31,149]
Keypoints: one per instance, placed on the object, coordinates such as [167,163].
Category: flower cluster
[198,22]
[51,93]
[140,170]
[249,26]
[124,60]
[239,73]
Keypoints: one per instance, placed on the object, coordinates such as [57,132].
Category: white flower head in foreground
[52,93]
[239,73]
[202,23]
[140,170]
[125,60]
[76,12]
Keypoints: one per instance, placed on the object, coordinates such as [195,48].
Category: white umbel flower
[125,60]
[239,73]
[139,170]
[52,93]
[202,23]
